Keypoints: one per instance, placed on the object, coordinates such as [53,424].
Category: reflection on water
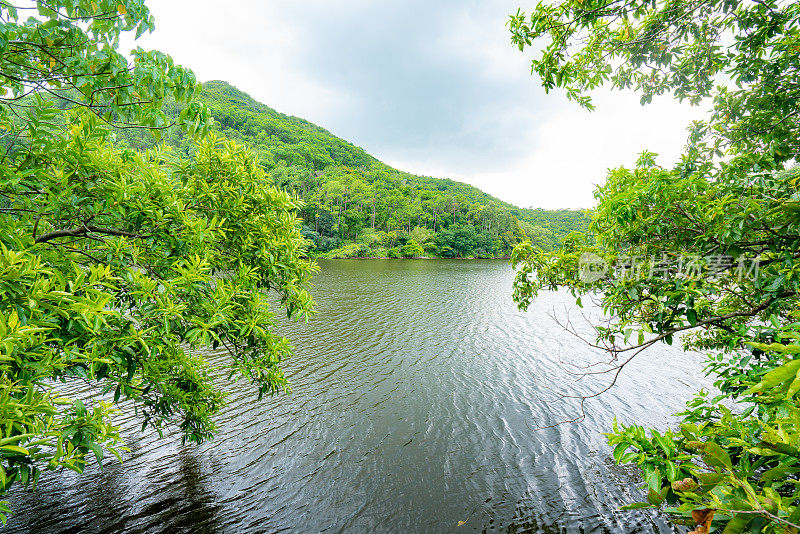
[418,390]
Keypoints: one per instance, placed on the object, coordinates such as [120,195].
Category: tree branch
[82,231]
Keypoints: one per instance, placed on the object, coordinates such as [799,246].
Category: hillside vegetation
[356,206]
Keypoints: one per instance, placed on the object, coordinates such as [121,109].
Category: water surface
[418,396]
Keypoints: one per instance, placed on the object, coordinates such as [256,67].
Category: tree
[422,235]
[705,253]
[68,49]
[116,265]
[459,238]
[412,249]
[684,48]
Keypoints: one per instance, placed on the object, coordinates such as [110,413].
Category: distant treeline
[358,206]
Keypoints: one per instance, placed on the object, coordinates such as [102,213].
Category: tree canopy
[704,253]
[742,54]
[69,48]
[115,264]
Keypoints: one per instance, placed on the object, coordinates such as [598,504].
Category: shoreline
[414,258]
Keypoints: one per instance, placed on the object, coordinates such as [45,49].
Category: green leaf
[662,441]
[777,376]
[15,449]
[716,456]
[98,452]
[737,524]
[653,497]
[654,480]
[619,451]
[709,480]
[80,409]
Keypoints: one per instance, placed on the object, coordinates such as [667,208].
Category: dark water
[418,390]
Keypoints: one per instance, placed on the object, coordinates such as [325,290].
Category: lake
[419,397]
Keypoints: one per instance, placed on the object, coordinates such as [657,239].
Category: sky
[431,87]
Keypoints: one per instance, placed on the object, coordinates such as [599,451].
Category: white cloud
[573,150]
[246,44]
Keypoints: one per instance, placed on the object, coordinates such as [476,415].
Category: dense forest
[356,206]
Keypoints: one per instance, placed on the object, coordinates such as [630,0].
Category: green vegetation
[116,264]
[355,206]
[412,249]
[717,235]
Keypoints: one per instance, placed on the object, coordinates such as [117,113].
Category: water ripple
[418,393]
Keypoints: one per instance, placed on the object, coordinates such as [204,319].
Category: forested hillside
[358,206]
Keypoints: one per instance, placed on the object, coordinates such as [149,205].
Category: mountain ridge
[355,201]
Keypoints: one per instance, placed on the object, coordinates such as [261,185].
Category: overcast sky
[431,87]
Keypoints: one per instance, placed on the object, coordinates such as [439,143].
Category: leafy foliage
[412,249]
[115,264]
[720,231]
[682,47]
[68,48]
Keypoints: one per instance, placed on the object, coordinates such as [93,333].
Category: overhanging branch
[82,231]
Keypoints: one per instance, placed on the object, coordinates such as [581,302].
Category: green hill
[357,206]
